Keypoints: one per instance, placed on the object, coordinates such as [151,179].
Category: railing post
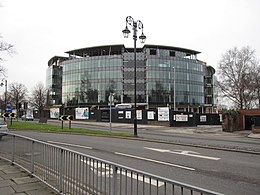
[32,159]
[61,169]
[114,182]
[13,149]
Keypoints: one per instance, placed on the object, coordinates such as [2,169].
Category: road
[218,170]
[181,135]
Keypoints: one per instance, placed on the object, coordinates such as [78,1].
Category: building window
[152,51]
[172,53]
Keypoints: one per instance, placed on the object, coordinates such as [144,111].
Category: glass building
[165,76]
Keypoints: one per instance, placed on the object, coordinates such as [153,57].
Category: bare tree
[38,97]
[17,94]
[235,76]
[255,75]
[4,48]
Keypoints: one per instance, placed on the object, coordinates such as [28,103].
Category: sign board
[181,117]
[8,108]
[82,113]
[128,114]
[54,112]
[120,114]
[8,115]
[150,115]
[66,117]
[163,114]
[139,114]
[203,118]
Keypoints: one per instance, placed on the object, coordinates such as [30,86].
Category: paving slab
[15,181]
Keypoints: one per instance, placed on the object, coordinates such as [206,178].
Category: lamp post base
[135,128]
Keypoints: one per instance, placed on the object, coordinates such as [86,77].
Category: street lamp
[4,82]
[136,25]
[111,101]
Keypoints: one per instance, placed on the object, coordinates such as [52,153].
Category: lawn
[53,128]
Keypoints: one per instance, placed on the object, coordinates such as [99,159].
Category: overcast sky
[41,29]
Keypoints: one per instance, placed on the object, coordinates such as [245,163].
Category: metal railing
[71,172]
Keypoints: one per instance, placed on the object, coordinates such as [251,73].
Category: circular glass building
[165,76]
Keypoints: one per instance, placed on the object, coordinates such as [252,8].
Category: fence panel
[70,172]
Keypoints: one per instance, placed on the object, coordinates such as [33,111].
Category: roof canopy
[118,49]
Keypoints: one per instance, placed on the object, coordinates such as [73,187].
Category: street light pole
[111,101]
[5,84]
[136,25]
[5,93]
[174,90]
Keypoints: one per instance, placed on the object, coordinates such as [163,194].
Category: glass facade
[91,80]
[163,74]
[54,84]
[189,78]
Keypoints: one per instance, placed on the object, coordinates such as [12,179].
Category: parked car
[27,117]
[3,128]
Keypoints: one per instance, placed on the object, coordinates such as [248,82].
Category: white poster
[128,114]
[82,113]
[163,114]
[139,114]
[150,115]
[54,112]
[203,118]
[181,117]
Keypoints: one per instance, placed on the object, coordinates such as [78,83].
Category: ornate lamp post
[136,25]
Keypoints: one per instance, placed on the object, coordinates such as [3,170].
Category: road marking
[68,144]
[156,161]
[184,152]
[107,171]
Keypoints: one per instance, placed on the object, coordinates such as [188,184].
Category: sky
[41,29]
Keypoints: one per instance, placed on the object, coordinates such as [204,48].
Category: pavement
[14,180]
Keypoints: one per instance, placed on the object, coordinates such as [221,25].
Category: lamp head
[142,38]
[126,32]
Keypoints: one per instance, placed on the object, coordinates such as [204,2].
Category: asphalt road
[223,171]
[207,136]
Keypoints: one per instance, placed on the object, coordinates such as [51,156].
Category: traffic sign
[8,115]
[66,117]
[8,109]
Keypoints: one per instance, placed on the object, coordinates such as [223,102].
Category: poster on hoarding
[82,113]
[128,114]
[181,117]
[150,115]
[54,112]
[203,118]
[163,114]
[139,114]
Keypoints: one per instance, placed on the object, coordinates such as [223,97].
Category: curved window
[90,80]
[189,80]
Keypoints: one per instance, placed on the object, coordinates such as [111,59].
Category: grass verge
[53,128]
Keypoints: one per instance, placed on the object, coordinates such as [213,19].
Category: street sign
[8,115]
[8,109]
[66,117]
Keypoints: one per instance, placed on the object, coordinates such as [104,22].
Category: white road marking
[183,152]
[68,144]
[108,172]
[156,161]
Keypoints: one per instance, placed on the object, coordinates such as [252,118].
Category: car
[27,117]
[3,128]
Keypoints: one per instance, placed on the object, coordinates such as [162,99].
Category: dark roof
[97,51]
[118,49]
[55,59]
[187,51]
